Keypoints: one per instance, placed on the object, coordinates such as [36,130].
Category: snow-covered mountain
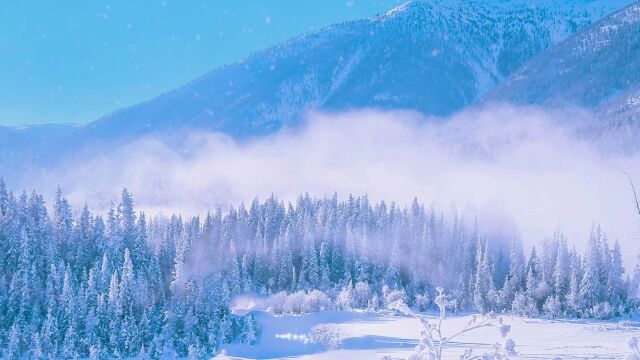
[433,56]
[597,68]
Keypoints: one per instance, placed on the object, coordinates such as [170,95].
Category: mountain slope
[597,68]
[590,69]
[37,144]
[433,56]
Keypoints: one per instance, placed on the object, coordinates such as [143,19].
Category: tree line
[78,284]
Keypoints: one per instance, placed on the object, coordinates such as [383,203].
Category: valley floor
[373,336]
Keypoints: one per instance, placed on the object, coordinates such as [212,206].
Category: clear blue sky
[71,61]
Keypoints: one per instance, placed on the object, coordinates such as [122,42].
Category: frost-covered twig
[433,342]
[633,188]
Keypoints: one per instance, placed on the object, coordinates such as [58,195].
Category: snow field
[362,335]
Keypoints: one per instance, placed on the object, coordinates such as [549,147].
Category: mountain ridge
[436,57]
[312,88]
[594,69]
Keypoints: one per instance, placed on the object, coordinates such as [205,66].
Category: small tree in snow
[433,341]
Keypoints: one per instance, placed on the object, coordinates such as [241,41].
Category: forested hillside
[119,284]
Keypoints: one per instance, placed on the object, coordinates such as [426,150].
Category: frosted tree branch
[635,195]
[432,342]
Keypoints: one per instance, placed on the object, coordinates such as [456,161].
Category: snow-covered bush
[433,341]
[329,335]
[361,295]
[393,296]
[294,303]
[276,303]
[299,302]
[345,298]
[374,303]
[316,300]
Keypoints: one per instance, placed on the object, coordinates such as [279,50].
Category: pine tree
[63,222]
[4,198]
[515,275]
[127,218]
[126,284]
[141,252]
[574,301]
[309,273]
[70,344]
[195,352]
[50,336]
[605,267]
[247,281]
[614,281]
[484,295]
[392,275]
[284,261]
[553,306]
[234,279]
[324,268]
[67,297]
[179,263]
[561,271]
[251,330]
[590,288]
[35,351]
[14,347]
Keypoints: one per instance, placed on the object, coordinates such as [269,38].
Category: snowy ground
[373,336]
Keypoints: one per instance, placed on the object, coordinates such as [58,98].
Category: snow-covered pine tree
[515,279]
[590,286]
[75,285]
[562,271]
[310,270]
[615,287]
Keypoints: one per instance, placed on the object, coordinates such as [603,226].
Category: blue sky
[73,61]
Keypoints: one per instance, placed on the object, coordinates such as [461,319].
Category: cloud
[509,164]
